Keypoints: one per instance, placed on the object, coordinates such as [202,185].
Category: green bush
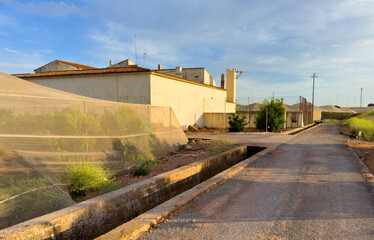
[237,122]
[218,146]
[143,162]
[1,148]
[275,116]
[81,177]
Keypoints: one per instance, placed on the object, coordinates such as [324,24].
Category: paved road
[308,188]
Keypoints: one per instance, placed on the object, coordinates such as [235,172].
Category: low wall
[94,217]
[336,115]
[362,109]
[219,120]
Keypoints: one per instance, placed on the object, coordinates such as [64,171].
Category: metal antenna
[136,54]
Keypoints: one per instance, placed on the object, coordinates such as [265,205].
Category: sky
[279,44]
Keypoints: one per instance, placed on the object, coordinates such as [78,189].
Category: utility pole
[314,79]
[361,98]
[266,122]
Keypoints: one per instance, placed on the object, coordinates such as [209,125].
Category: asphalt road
[308,188]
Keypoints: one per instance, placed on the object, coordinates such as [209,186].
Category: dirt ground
[364,150]
[192,152]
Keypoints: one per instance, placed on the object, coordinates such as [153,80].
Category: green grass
[364,124]
[85,177]
[218,146]
[333,121]
[14,187]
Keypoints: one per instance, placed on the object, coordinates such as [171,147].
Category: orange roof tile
[78,65]
[85,72]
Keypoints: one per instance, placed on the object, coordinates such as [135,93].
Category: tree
[275,118]
[236,122]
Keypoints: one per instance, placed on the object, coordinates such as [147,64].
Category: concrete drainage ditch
[96,216]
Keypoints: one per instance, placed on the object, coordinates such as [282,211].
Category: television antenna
[240,73]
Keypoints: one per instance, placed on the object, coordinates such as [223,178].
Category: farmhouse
[190,92]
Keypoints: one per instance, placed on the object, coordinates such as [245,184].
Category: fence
[42,131]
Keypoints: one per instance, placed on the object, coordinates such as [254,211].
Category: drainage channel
[97,216]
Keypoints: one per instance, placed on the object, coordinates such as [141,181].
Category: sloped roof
[78,65]
[85,72]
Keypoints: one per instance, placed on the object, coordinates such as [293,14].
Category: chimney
[231,85]
[223,81]
[159,67]
[110,63]
[179,70]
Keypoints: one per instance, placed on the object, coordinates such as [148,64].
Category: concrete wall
[220,120]
[362,109]
[55,66]
[128,88]
[187,100]
[231,85]
[194,74]
[96,216]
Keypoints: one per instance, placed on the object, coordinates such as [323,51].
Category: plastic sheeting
[43,130]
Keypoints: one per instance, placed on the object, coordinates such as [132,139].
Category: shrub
[237,122]
[143,163]
[275,116]
[1,148]
[81,177]
[17,186]
[218,146]
[365,126]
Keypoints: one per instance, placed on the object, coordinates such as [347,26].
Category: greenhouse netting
[44,132]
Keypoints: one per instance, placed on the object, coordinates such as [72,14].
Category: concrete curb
[134,228]
[301,129]
[101,214]
[141,224]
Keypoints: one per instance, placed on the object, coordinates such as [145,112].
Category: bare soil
[192,152]
[364,150]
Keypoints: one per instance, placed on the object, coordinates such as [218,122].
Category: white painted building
[129,83]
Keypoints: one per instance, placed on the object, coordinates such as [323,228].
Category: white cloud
[48,8]
[11,50]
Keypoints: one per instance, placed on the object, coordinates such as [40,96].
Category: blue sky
[279,43]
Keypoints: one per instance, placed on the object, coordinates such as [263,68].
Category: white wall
[128,88]
[186,99]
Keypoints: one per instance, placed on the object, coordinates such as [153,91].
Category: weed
[142,168]
[81,177]
[1,149]
[14,187]
[360,124]
[218,146]
[333,121]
